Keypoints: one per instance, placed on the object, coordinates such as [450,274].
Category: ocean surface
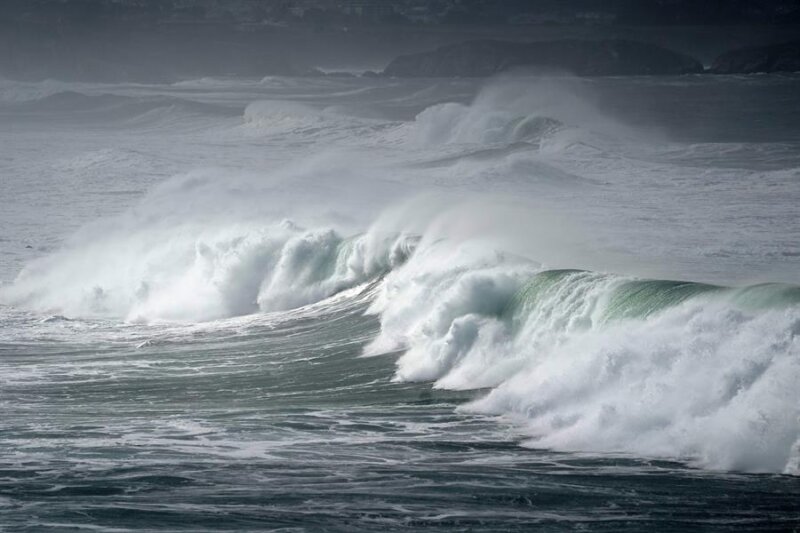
[348,304]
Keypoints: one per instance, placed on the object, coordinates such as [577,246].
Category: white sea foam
[589,364]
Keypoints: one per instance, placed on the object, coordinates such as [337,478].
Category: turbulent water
[357,304]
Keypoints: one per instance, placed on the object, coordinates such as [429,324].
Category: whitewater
[350,304]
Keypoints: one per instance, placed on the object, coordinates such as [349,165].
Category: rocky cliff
[583,58]
[774,58]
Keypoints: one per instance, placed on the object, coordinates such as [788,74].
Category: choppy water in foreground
[360,305]
[281,426]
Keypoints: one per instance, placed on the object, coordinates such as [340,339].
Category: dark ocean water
[282,426]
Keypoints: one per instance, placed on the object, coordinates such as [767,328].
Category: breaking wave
[586,361]
[541,113]
[581,359]
[205,274]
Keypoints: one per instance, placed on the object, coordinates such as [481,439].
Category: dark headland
[613,57]
[783,57]
[171,40]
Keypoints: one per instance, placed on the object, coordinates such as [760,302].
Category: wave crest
[586,361]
